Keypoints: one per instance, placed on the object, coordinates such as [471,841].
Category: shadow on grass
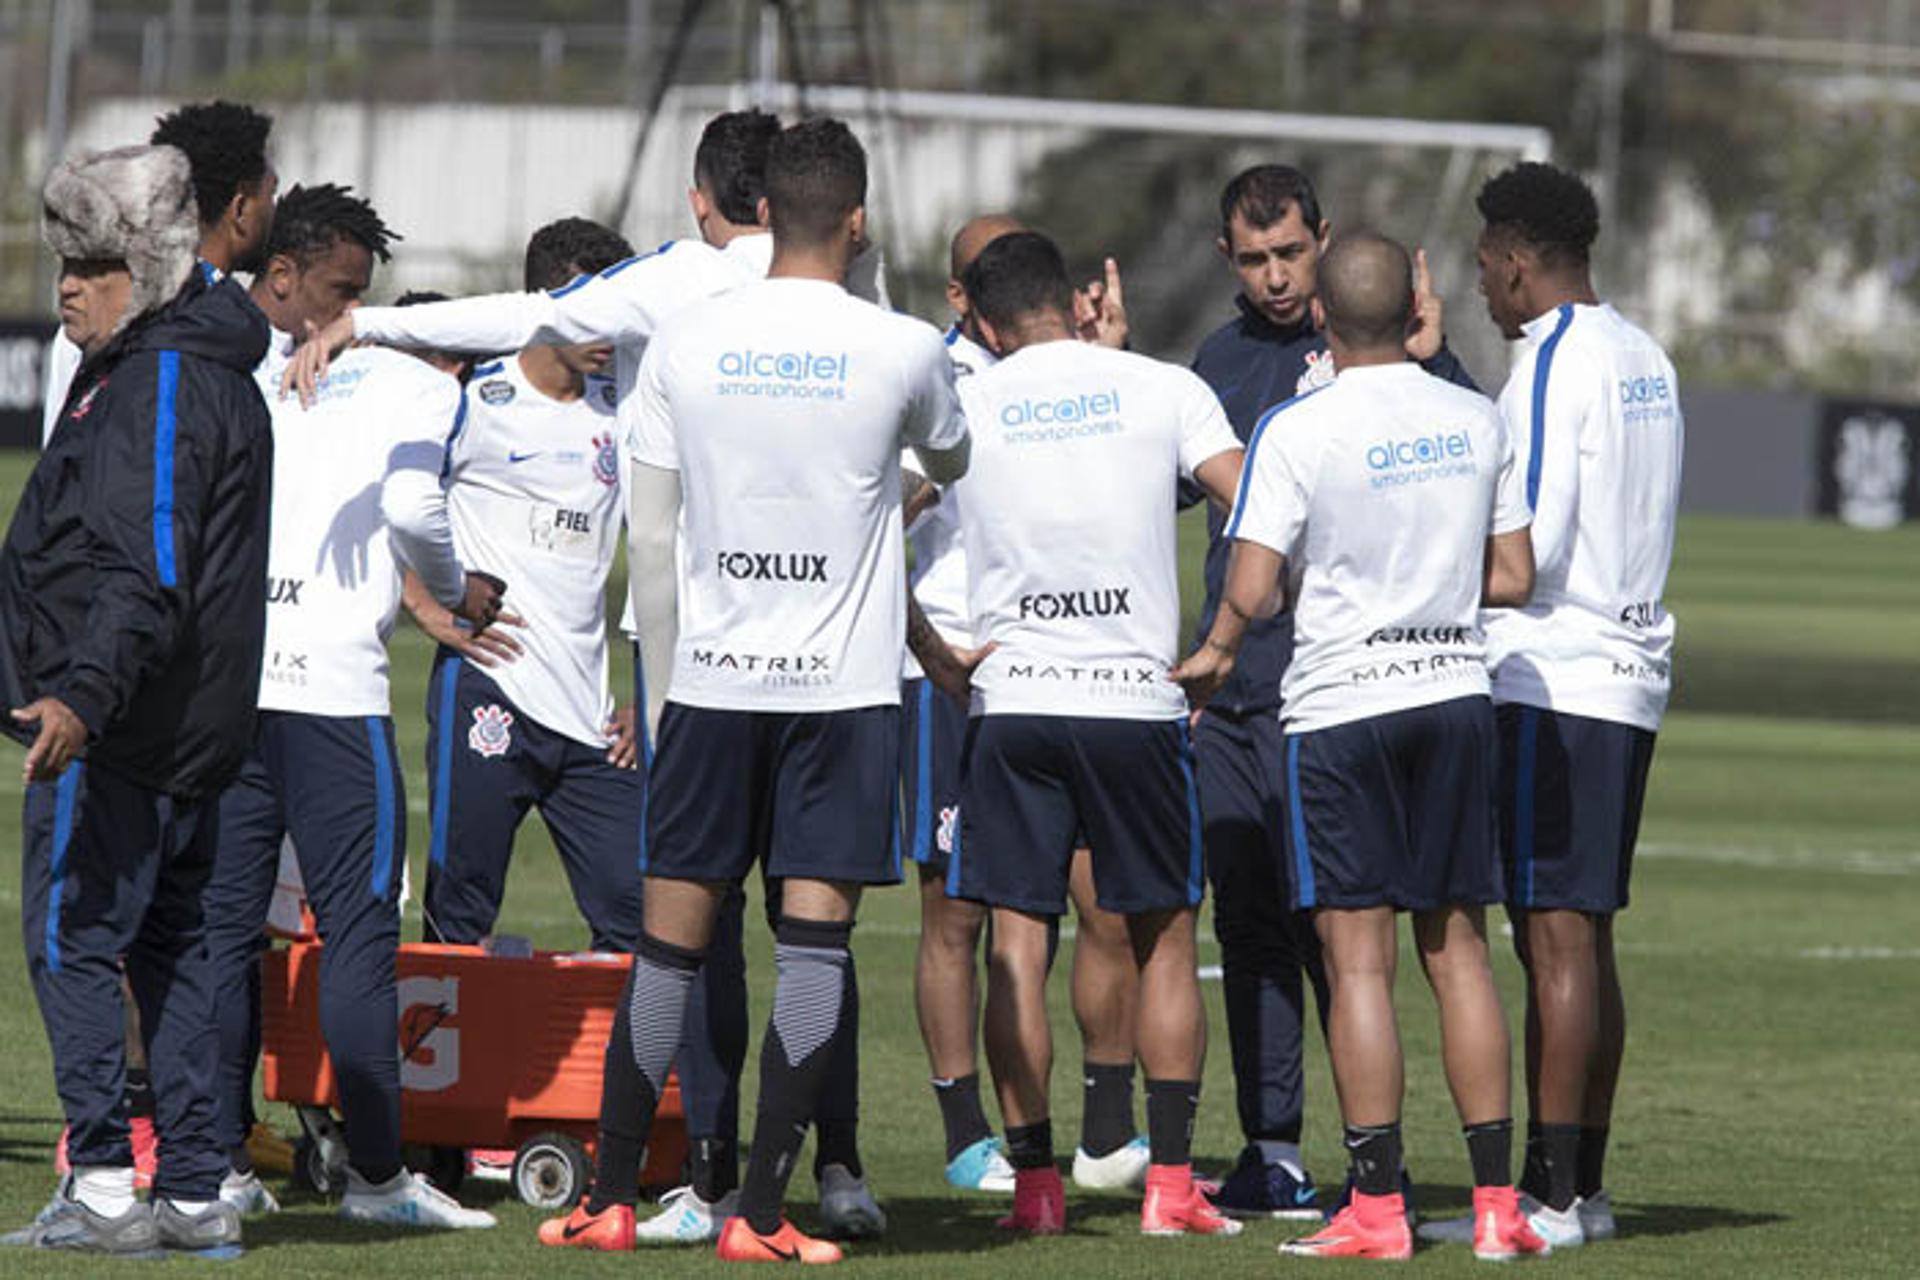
[1636,1220]
[28,1139]
[942,1224]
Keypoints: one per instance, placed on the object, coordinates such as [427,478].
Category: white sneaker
[247,1194]
[685,1218]
[1560,1228]
[408,1200]
[1119,1169]
[1596,1216]
[848,1210]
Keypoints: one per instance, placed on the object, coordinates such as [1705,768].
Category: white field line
[1861,862]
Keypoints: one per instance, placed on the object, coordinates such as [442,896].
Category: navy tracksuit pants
[333,784]
[1265,946]
[113,871]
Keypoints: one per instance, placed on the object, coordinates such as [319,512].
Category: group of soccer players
[1430,667]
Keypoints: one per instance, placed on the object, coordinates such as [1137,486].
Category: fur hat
[131,203]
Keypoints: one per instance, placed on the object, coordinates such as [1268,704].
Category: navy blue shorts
[933,731]
[489,762]
[1570,793]
[1395,810]
[810,795]
[1033,785]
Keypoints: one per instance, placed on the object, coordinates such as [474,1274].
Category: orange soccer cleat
[1039,1203]
[609,1231]
[739,1242]
[1174,1206]
[1369,1227]
[1500,1231]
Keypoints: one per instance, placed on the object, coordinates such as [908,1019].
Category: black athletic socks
[646,1032]
[1490,1149]
[1030,1146]
[1590,1177]
[811,959]
[1551,1173]
[1171,1105]
[960,1111]
[713,1167]
[1106,1112]
[1373,1151]
[837,1142]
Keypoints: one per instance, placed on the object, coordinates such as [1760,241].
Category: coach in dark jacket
[133,598]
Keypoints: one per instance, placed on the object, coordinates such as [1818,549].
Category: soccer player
[233,188]
[356,496]
[1109,1154]
[1068,516]
[132,591]
[1378,500]
[765,498]
[533,490]
[1272,234]
[1581,673]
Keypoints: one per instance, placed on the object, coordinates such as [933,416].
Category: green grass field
[1772,960]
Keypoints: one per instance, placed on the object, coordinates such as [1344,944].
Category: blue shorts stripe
[953,862]
[1542,369]
[1196,864]
[65,792]
[1302,860]
[383,806]
[1523,817]
[163,432]
[923,777]
[443,763]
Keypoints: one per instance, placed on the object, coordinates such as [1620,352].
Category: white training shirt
[1594,410]
[784,405]
[1068,510]
[1381,491]
[534,494]
[356,494]
[939,552]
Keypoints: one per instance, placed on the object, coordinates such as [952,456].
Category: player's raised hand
[312,358]
[1100,310]
[1425,330]
[62,735]
[624,752]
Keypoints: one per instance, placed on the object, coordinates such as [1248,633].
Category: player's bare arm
[917,497]
[1253,590]
[951,669]
[1508,583]
[314,357]
[489,648]
[1219,477]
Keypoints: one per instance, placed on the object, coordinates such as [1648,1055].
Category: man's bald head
[976,234]
[1366,289]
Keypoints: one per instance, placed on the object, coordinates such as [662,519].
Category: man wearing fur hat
[133,603]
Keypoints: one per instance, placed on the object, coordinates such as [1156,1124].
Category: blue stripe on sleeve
[163,434]
[444,729]
[1302,859]
[383,806]
[65,792]
[1542,368]
[453,435]
[1253,445]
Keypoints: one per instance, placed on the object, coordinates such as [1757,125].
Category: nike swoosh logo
[570,1231]
[522,457]
[785,1255]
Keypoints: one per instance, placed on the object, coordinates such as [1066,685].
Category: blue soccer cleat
[981,1167]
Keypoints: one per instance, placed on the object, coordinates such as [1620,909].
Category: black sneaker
[1256,1189]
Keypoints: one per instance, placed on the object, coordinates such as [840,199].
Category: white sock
[1284,1154]
[192,1208]
[107,1189]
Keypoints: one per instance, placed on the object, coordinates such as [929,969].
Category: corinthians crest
[491,733]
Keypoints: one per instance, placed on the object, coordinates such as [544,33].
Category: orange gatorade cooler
[495,1052]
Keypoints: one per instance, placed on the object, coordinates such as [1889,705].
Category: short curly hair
[571,247]
[1547,207]
[309,221]
[226,145]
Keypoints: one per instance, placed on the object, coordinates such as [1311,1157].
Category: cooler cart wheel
[310,1169]
[550,1171]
